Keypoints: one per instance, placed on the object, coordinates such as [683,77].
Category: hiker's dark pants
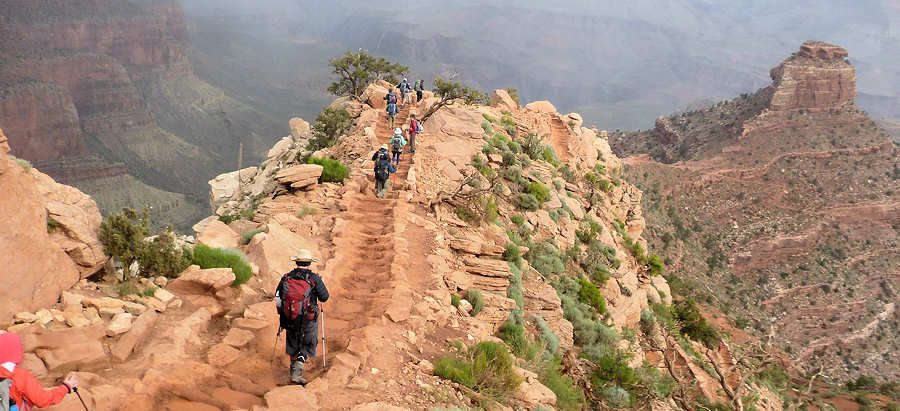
[395,157]
[412,142]
[418,96]
[380,187]
[303,341]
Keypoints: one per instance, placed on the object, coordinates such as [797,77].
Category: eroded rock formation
[49,241]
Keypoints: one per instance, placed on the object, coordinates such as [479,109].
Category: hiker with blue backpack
[19,389]
[383,170]
[391,107]
[415,128]
[397,142]
[297,301]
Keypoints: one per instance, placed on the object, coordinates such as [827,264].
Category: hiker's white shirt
[9,365]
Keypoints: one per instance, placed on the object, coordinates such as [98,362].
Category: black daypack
[381,167]
[396,145]
[296,292]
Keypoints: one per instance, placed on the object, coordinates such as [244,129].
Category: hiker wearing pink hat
[25,391]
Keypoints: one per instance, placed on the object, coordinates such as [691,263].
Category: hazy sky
[620,63]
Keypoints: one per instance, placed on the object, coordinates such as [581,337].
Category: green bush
[545,258]
[466,215]
[514,146]
[330,124]
[505,113]
[592,296]
[548,155]
[333,171]
[512,253]
[513,174]
[512,332]
[533,147]
[52,224]
[528,202]
[489,118]
[518,220]
[692,323]
[513,93]
[550,339]
[490,209]
[509,159]
[486,126]
[656,264]
[208,257]
[454,300]
[538,190]
[163,257]
[25,164]
[245,239]
[568,396]
[862,383]
[486,367]
[473,296]
[122,235]
[514,291]
[554,215]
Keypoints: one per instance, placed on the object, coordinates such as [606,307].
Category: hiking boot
[297,373]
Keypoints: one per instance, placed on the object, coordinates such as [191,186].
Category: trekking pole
[324,347]
[75,390]
[275,347]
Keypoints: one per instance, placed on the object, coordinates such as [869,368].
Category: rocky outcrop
[666,132]
[43,256]
[818,77]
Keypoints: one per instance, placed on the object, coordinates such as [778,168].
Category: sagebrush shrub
[486,367]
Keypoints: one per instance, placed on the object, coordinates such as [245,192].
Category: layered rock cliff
[785,204]
[92,85]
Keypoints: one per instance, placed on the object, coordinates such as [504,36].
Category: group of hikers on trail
[406,90]
[385,163]
[297,296]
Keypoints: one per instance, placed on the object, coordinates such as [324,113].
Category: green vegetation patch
[486,368]
[333,171]
[208,257]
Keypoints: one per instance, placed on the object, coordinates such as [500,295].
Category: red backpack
[296,292]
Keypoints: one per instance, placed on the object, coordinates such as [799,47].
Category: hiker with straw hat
[297,300]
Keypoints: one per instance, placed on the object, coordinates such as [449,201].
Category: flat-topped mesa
[817,78]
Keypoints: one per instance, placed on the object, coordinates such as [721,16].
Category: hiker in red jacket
[414,128]
[26,391]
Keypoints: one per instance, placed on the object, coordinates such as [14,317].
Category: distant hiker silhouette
[18,387]
[391,107]
[297,301]
[383,170]
[420,86]
[397,142]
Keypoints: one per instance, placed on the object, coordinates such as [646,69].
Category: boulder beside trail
[300,176]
